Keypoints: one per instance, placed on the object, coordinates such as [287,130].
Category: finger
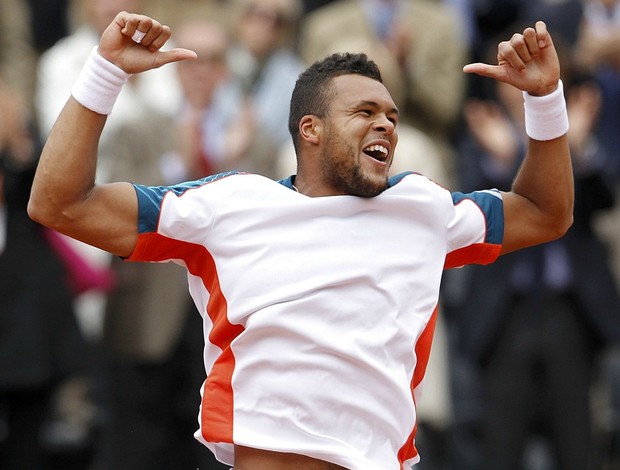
[174,55]
[530,39]
[162,35]
[508,56]
[542,35]
[146,31]
[152,34]
[521,47]
[473,67]
[136,27]
[485,70]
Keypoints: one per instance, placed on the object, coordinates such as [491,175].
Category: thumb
[485,70]
[174,55]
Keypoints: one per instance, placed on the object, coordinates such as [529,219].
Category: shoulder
[432,194]
[417,195]
[221,181]
[195,203]
[411,180]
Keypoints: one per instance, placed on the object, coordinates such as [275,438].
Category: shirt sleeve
[171,218]
[476,228]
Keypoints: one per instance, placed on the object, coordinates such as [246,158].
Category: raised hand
[133,42]
[527,61]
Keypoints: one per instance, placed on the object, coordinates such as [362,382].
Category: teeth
[378,152]
[377,148]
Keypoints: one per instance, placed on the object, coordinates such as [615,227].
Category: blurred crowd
[101,360]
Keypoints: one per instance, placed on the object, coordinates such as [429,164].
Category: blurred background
[101,360]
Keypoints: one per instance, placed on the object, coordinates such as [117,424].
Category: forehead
[352,89]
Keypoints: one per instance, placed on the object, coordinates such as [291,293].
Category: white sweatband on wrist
[99,83]
[545,116]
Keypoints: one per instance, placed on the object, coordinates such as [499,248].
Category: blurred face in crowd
[199,78]
[263,25]
[100,13]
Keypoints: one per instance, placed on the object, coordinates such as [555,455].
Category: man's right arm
[64,194]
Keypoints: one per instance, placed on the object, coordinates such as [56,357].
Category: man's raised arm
[64,195]
[539,208]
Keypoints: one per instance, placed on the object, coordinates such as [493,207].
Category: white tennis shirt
[318,312]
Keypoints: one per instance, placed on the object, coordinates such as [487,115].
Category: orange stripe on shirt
[478,253]
[422,352]
[217,401]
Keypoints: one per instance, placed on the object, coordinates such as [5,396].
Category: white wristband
[99,83]
[545,116]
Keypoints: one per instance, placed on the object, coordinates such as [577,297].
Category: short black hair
[312,91]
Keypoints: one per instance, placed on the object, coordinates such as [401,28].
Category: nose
[384,124]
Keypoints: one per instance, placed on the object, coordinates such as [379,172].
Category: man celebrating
[319,292]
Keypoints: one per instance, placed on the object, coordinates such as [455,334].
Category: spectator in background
[204,134]
[60,65]
[49,20]
[263,59]
[42,349]
[598,52]
[310,5]
[17,54]
[178,12]
[402,36]
[564,17]
[535,323]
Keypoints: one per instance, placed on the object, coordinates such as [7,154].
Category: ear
[310,128]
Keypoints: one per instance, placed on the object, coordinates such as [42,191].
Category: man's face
[359,137]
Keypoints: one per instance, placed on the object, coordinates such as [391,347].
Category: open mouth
[378,152]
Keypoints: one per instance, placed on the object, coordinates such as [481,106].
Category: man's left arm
[539,207]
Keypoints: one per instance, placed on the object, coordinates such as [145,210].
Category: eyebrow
[374,104]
